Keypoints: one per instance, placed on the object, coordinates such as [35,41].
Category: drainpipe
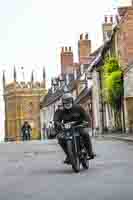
[123,108]
[101,105]
[92,120]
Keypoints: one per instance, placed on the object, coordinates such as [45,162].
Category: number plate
[67,125]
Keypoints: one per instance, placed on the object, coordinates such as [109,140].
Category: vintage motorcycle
[75,146]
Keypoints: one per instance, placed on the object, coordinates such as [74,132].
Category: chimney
[62,49]
[44,78]
[66,60]
[86,36]
[105,19]
[81,36]
[14,74]
[84,49]
[107,28]
[70,49]
[44,74]
[4,80]
[32,77]
[111,19]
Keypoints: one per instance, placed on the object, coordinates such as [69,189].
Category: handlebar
[80,125]
[73,125]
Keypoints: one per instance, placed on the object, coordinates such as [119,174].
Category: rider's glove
[58,126]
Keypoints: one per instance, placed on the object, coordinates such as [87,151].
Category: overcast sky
[32,32]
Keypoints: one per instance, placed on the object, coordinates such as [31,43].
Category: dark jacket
[26,129]
[75,114]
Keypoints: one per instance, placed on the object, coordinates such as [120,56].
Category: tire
[76,166]
[74,159]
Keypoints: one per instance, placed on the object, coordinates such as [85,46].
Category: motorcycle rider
[72,113]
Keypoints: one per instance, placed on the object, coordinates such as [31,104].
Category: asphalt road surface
[34,170]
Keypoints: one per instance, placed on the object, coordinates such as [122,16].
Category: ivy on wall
[113,86]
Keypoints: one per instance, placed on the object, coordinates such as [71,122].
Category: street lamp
[61,80]
[54,84]
[91,111]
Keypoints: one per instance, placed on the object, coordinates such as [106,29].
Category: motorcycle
[75,146]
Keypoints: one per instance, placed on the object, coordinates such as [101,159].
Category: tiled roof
[98,60]
[96,51]
[53,97]
[99,53]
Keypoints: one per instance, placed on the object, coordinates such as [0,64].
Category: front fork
[76,145]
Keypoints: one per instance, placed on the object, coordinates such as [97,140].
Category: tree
[113,87]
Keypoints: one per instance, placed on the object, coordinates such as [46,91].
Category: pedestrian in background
[26,131]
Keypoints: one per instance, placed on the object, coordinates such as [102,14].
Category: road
[35,171]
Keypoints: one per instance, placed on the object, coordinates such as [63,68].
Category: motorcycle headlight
[68,125]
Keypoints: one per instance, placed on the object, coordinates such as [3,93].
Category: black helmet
[67,100]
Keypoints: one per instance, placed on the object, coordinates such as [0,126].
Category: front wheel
[74,158]
[85,163]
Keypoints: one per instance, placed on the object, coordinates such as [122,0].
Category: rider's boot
[92,156]
[67,160]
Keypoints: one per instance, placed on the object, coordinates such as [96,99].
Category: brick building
[66,60]
[117,40]
[122,45]
[67,57]
[70,77]
[117,43]
[84,49]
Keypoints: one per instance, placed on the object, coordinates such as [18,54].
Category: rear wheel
[74,158]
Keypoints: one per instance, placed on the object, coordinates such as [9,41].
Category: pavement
[118,136]
[34,171]
[122,137]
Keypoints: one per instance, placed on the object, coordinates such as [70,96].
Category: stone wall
[22,103]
